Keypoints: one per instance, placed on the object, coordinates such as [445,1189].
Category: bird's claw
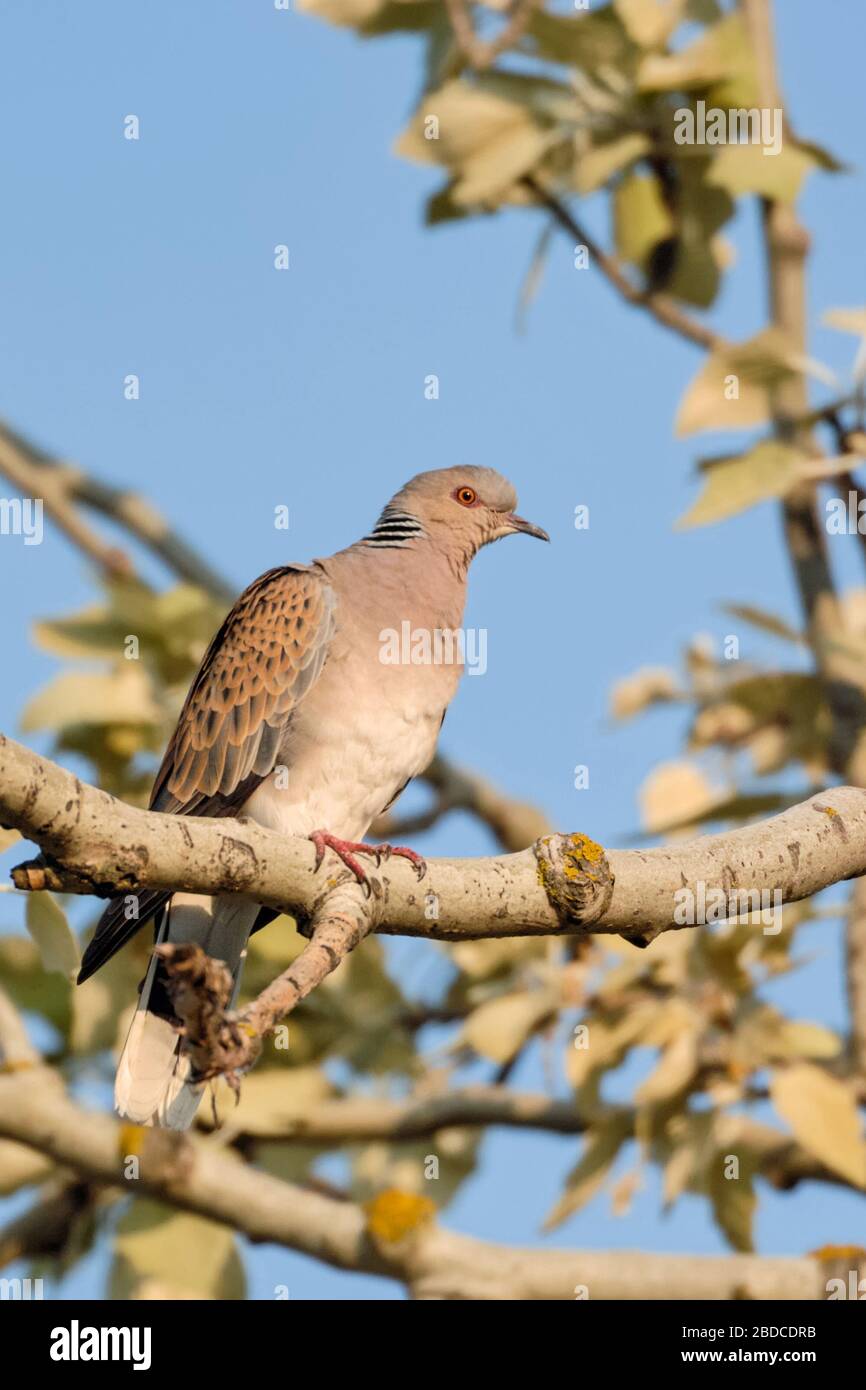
[346,850]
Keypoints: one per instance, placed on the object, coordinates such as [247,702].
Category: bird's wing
[258,668]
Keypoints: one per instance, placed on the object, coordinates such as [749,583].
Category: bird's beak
[517,523]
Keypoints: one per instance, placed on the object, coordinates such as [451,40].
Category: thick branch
[194,1176]
[855,975]
[562,885]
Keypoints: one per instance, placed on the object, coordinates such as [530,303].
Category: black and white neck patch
[394,530]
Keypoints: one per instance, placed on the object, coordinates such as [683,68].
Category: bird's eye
[466,496]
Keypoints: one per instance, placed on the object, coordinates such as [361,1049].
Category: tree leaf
[765,622]
[486,140]
[676,1068]
[273,1101]
[719,63]
[758,366]
[640,217]
[739,481]
[405,1166]
[371,17]
[675,793]
[650,22]
[733,1200]
[742,169]
[823,1114]
[651,685]
[600,1150]
[47,924]
[798,1038]
[23,975]
[123,696]
[596,165]
[177,1251]
[498,1028]
[533,277]
[591,41]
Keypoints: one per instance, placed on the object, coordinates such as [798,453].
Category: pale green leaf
[822,1112]
[160,1252]
[733,484]
[720,59]
[600,1150]
[741,169]
[640,217]
[733,1199]
[597,164]
[650,22]
[498,1028]
[593,41]
[47,924]
[123,696]
[731,389]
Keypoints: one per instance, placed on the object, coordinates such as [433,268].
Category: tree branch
[855,976]
[383,1119]
[62,485]
[395,1235]
[221,1042]
[48,487]
[661,307]
[563,884]
[478,52]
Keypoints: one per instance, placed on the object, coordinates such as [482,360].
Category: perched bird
[295,720]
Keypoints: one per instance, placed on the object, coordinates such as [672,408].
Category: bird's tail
[152,1085]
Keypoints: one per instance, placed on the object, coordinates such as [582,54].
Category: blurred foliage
[586,103]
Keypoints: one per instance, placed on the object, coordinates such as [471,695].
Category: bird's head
[461,509]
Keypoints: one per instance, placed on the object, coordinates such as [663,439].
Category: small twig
[62,484]
[227,1043]
[45,486]
[660,306]
[480,54]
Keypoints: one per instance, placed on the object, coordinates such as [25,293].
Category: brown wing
[257,669]
[262,662]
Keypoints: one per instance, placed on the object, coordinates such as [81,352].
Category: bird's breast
[357,738]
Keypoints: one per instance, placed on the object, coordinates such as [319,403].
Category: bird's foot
[346,850]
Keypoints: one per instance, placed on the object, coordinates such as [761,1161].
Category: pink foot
[347,849]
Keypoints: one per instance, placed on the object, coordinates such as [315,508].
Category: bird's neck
[418,581]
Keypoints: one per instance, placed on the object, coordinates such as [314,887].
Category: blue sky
[305,388]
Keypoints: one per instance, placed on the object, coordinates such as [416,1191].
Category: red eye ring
[466,496]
